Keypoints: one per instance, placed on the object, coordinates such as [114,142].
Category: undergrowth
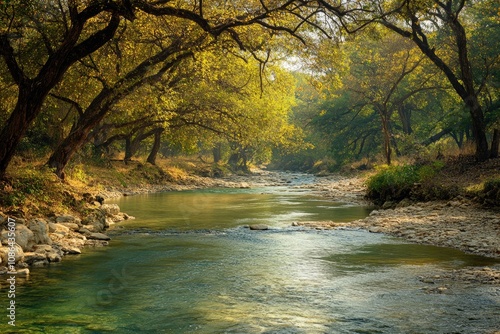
[395,183]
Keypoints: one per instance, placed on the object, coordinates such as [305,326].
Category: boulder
[67,249]
[42,249]
[71,226]
[24,237]
[58,228]
[54,257]
[85,231]
[68,219]
[259,227]
[23,272]
[98,236]
[40,230]
[97,219]
[32,257]
[18,254]
[110,209]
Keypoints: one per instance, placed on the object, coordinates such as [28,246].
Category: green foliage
[491,192]
[28,183]
[78,173]
[394,183]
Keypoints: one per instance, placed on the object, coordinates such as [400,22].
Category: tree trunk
[387,137]
[495,144]
[440,135]
[478,129]
[462,83]
[102,103]
[156,147]
[131,147]
[65,151]
[217,152]
[28,106]
[405,116]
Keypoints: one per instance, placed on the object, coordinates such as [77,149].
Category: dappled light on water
[187,265]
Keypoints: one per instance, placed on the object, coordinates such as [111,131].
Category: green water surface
[187,264]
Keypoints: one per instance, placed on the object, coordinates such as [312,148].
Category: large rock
[23,272]
[18,254]
[98,236]
[97,219]
[54,257]
[71,226]
[24,237]
[40,230]
[110,209]
[68,219]
[259,227]
[68,249]
[32,257]
[58,228]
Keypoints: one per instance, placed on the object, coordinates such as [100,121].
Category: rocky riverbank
[30,241]
[35,242]
[458,223]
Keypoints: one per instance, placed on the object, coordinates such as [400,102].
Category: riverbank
[47,234]
[43,219]
[461,223]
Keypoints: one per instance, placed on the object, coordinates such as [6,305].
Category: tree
[166,59]
[71,30]
[230,99]
[419,22]
[425,23]
[76,37]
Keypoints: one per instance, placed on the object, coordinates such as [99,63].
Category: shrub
[491,192]
[394,183]
[29,182]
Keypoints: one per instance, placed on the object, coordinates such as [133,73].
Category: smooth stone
[71,250]
[25,272]
[259,227]
[99,236]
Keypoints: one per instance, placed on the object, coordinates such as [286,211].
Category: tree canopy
[245,79]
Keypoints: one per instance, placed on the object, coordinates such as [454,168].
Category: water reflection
[187,266]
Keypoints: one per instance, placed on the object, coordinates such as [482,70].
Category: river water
[188,264]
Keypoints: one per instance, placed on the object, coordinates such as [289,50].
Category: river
[189,264]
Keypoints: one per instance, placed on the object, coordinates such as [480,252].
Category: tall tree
[419,21]
[71,30]
[75,36]
[422,22]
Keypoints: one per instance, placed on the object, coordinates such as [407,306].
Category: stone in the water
[71,250]
[259,227]
[23,272]
[98,236]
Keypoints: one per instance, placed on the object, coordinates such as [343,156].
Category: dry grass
[33,189]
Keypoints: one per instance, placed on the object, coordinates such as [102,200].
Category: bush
[28,183]
[394,183]
[491,192]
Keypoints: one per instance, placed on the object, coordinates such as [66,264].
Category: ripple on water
[179,270]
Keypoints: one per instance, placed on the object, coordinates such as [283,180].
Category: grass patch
[32,189]
[395,183]
[490,195]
